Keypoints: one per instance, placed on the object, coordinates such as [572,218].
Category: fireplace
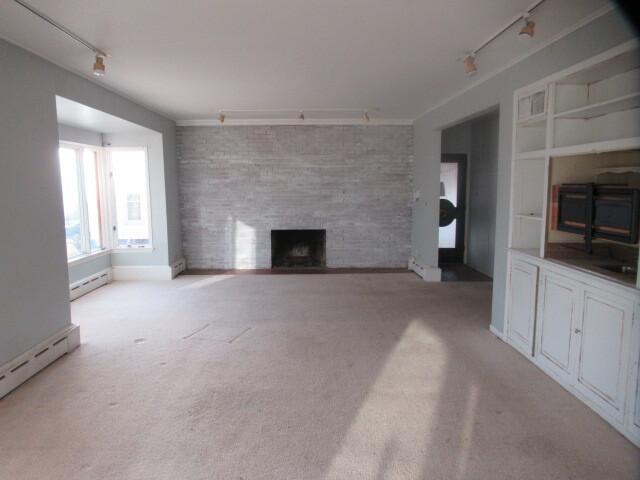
[298,248]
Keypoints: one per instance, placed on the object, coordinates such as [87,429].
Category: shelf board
[526,216]
[626,102]
[535,121]
[532,155]
[631,143]
[609,68]
[629,169]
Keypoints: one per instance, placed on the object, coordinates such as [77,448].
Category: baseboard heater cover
[20,369]
[90,283]
[428,274]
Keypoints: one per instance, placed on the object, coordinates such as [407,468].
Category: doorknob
[577,331]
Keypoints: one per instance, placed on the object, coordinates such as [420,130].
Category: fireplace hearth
[298,248]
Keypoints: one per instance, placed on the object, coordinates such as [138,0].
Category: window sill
[107,251]
[87,258]
[133,250]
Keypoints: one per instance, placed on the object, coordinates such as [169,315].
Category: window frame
[106,202]
[85,236]
[113,218]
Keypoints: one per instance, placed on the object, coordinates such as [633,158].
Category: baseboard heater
[90,283]
[25,366]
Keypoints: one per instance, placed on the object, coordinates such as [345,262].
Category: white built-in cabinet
[603,336]
[522,305]
[583,332]
[580,328]
[559,308]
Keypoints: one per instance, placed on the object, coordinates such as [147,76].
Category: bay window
[105,198]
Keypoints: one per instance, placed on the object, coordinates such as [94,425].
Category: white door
[523,283]
[558,312]
[604,339]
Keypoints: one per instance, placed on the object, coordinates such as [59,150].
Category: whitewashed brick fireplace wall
[237,183]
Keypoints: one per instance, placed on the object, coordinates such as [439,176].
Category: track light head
[221,117]
[301,117]
[528,30]
[98,66]
[470,65]
[366,116]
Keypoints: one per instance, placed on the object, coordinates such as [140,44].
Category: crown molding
[213,122]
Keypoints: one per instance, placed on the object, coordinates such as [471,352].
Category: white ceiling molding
[483,78]
[214,122]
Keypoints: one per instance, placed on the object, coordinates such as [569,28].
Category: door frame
[456,254]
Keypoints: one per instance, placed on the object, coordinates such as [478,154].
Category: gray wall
[238,183]
[34,292]
[603,33]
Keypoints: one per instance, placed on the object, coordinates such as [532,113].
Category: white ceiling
[188,59]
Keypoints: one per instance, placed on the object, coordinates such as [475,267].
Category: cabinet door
[604,339]
[523,282]
[558,311]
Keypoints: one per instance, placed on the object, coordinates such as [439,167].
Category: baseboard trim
[428,274]
[148,272]
[90,283]
[22,368]
[497,333]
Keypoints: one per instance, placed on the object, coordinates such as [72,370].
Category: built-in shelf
[625,102]
[629,169]
[532,155]
[529,216]
[611,67]
[596,147]
[535,121]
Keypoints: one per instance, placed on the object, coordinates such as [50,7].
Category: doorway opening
[468,192]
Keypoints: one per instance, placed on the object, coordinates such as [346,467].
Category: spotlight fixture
[98,66]
[470,65]
[221,117]
[528,30]
[366,116]
[301,115]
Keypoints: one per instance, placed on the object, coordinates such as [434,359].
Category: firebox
[298,248]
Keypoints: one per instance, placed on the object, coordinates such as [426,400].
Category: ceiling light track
[526,32]
[300,114]
[98,66]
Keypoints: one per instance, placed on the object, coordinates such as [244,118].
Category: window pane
[133,207]
[71,201]
[92,193]
[130,190]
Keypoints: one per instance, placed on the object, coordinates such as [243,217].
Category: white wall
[34,284]
[67,133]
[602,34]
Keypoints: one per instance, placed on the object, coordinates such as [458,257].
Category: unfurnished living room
[319,240]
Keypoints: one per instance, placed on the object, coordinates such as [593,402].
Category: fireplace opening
[298,248]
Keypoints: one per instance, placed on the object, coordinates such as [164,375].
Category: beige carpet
[370,376]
